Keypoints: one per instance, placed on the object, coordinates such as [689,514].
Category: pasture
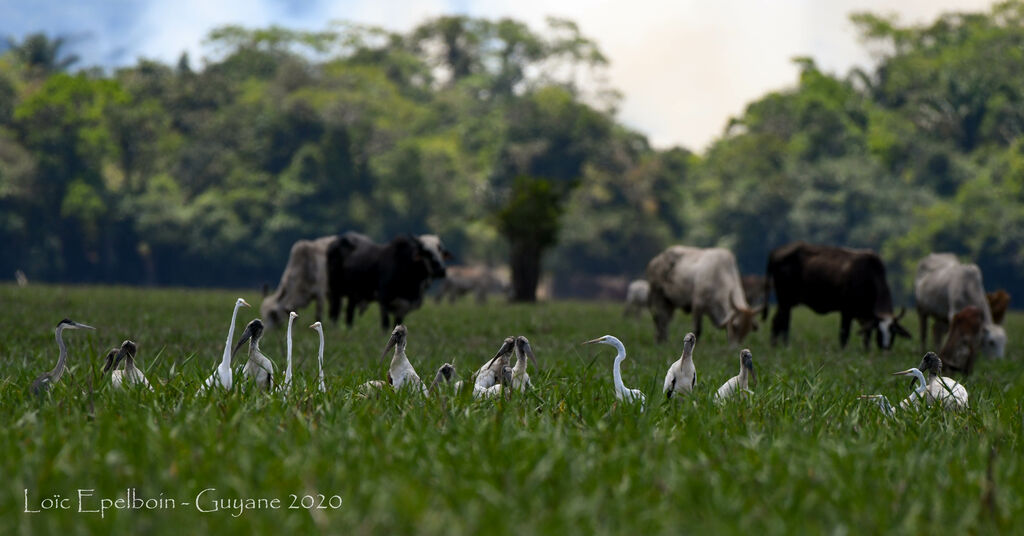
[802,454]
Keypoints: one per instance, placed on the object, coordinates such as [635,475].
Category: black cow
[396,274]
[827,279]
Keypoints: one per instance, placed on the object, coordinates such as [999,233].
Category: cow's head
[887,327]
[272,311]
[741,320]
[434,253]
[993,340]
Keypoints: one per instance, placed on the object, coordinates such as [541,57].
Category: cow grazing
[396,274]
[943,287]
[961,348]
[704,281]
[826,279]
[304,280]
[755,289]
[636,297]
[998,303]
[472,279]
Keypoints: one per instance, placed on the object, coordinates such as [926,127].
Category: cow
[827,279]
[477,280]
[304,280]
[754,289]
[636,297]
[961,347]
[396,274]
[704,281]
[998,303]
[944,286]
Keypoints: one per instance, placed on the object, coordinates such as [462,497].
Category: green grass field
[802,455]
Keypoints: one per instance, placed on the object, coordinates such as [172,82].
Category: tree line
[503,139]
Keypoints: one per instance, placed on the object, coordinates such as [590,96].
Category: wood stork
[258,368]
[621,391]
[936,388]
[222,375]
[401,373]
[682,375]
[524,353]
[287,385]
[46,380]
[502,387]
[319,356]
[489,374]
[443,377]
[741,381]
[131,375]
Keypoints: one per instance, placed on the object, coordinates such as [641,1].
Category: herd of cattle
[700,281]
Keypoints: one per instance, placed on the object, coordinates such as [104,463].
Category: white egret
[287,385]
[43,383]
[741,381]
[320,355]
[258,368]
[621,391]
[222,375]
[937,388]
[682,375]
[131,375]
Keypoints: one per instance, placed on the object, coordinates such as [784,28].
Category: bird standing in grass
[401,372]
[287,385]
[621,391]
[741,381]
[131,375]
[524,353]
[490,373]
[936,388]
[46,380]
[222,375]
[682,375]
[258,368]
[319,356]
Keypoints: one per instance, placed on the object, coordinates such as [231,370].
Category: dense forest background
[503,139]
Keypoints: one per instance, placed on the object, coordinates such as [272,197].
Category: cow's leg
[780,324]
[845,321]
[319,307]
[385,322]
[922,320]
[333,305]
[698,321]
[661,311]
[350,311]
[867,338]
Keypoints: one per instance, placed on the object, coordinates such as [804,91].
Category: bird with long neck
[490,373]
[319,356]
[936,387]
[46,380]
[682,375]
[621,391]
[740,382]
[131,375]
[524,353]
[401,373]
[258,368]
[287,385]
[222,375]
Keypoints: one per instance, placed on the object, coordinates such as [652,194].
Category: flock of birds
[496,377]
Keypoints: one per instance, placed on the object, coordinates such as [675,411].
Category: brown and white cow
[304,280]
[943,287]
[701,281]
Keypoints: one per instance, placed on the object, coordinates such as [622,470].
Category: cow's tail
[767,288]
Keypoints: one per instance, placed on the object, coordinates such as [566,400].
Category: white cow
[942,288]
[636,297]
[704,281]
[304,280]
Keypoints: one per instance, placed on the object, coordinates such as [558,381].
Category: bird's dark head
[931,364]
[747,362]
[447,370]
[507,346]
[253,332]
[110,359]
[689,341]
[524,349]
[398,338]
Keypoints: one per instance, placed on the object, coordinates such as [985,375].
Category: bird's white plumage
[222,375]
[320,356]
[287,384]
[739,382]
[681,377]
[622,392]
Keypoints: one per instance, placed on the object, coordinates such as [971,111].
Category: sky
[684,67]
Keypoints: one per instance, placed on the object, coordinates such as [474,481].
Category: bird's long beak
[753,375]
[246,335]
[907,372]
[245,303]
[110,362]
[120,355]
[83,326]
[506,347]
[388,347]
[313,325]
[599,339]
[529,353]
